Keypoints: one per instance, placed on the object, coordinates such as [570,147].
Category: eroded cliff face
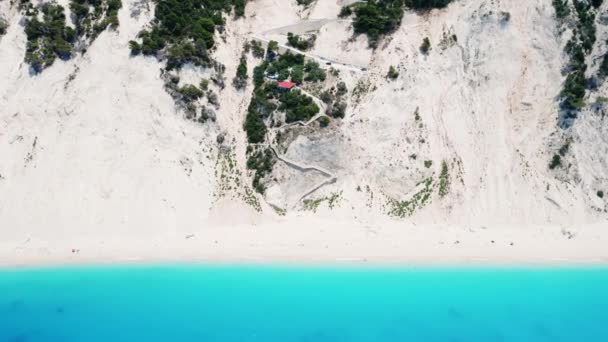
[465,133]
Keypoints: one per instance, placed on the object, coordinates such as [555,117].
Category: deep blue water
[239,303]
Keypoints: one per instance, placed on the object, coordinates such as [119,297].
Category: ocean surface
[315,304]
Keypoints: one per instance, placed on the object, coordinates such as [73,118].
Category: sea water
[304,304]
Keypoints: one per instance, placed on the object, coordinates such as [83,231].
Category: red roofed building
[286,86]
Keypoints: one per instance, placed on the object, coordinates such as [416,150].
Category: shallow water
[239,303]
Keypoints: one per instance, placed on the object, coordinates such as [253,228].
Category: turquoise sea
[304,304]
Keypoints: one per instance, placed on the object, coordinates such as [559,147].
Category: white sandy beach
[310,240]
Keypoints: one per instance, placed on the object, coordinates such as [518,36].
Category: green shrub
[261,162]
[574,90]
[3,27]
[284,74]
[256,49]
[190,93]
[91,17]
[600,194]
[425,47]
[240,80]
[314,73]
[345,11]
[341,89]
[239,7]
[327,97]
[134,47]
[258,74]
[444,180]
[392,73]
[586,24]
[324,121]
[556,162]
[562,9]
[299,43]
[213,99]
[297,74]
[273,48]
[565,148]
[338,110]
[255,128]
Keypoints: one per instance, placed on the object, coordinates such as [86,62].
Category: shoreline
[311,242]
[314,264]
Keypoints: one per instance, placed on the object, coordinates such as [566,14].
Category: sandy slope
[95,156]
[104,151]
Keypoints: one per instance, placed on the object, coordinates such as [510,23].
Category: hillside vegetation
[185,29]
[378,17]
[50,37]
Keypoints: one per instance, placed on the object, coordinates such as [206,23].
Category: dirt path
[299,28]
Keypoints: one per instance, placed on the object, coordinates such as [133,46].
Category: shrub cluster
[185,30]
[586,24]
[556,162]
[190,93]
[582,42]
[239,7]
[378,17]
[300,43]
[48,38]
[573,92]
[314,72]
[240,80]
[297,106]
[336,107]
[283,66]
[562,10]
[444,180]
[262,162]
[292,66]
[259,108]
[256,49]
[267,97]
[91,17]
